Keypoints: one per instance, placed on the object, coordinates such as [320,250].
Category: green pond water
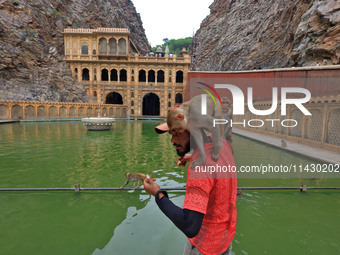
[62,154]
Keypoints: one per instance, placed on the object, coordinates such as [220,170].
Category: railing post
[9,111]
[324,124]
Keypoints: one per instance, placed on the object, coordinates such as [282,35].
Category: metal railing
[77,188]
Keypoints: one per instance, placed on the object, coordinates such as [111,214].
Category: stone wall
[321,129]
[17,109]
[32,46]
[259,34]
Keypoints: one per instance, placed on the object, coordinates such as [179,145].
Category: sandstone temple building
[113,71]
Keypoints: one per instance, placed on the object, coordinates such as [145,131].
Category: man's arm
[188,221]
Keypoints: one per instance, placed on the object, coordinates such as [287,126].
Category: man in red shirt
[208,217]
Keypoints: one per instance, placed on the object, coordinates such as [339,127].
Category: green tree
[175,45]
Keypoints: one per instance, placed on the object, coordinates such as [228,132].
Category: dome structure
[159,50]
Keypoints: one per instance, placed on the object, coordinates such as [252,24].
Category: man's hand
[150,186]
[182,161]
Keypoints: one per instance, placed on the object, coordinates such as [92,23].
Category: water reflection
[302,221]
[146,231]
[61,223]
[63,154]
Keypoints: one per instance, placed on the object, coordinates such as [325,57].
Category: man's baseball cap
[162,128]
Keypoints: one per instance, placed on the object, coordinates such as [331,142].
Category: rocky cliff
[32,48]
[257,34]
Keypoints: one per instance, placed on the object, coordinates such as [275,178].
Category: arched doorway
[151,104]
[114,98]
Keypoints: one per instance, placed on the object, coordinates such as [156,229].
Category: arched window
[132,94]
[105,75]
[132,103]
[85,75]
[68,48]
[151,76]
[178,98]
[113,46]
[142,76]
[95,93]
[179,77]
[74,48]
[102,46]
[122,46]
[169,95]
[123,75]
[114,75]
[160,76]
[169,104]
[84,48]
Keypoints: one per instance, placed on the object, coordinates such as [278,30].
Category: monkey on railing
[134,177]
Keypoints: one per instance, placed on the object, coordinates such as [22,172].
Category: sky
[172,19]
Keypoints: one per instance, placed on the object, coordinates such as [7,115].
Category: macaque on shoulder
[133,177]
[189,117]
